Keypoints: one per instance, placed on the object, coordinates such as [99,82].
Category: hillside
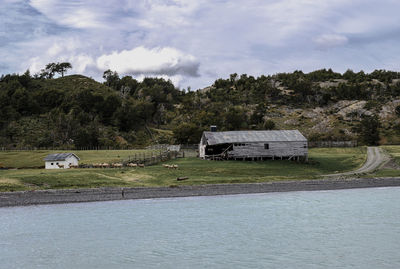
[79,112]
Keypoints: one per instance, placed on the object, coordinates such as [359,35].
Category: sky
[195,42]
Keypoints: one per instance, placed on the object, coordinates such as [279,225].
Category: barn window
[305,146]
[52,163]
[266,146]
[57,163]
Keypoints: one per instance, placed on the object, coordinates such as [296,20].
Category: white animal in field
[170,166]
[105,165]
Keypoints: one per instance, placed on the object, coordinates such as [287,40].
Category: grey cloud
[20,22]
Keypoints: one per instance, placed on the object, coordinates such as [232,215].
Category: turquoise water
[325,229]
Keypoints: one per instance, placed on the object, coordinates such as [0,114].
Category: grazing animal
[60,165]
[73,166]
[132,164]
[117,165]
[170,166]
[105,165]
[141,165]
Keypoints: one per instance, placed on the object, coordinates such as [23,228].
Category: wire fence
[332,144]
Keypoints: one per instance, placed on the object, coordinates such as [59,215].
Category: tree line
[75,111]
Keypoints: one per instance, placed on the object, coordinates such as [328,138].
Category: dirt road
[375,158]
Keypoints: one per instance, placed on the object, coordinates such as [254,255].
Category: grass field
[20,159]
[322,161]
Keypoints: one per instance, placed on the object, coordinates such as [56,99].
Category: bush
[269,125]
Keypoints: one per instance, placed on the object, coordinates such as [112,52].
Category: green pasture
[26,159]
[321,161]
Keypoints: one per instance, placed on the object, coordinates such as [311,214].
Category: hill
[79,112]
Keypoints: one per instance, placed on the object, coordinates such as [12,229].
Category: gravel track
[375,158]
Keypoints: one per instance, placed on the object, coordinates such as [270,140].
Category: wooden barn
[253,145]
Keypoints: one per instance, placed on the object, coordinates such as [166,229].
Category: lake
[358,228]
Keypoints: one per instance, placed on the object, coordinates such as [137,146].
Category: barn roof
[214,138]
[59,156]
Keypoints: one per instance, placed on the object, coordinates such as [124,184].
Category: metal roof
[214,138]
[59,156]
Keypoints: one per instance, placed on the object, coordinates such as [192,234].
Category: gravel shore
[23,198]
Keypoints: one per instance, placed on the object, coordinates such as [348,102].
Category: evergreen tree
[369,130]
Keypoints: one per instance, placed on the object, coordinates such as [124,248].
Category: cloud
[70,13]
[330,40]
[194,42]
[157,61]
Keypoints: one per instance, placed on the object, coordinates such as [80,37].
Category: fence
[150,158]
[65,148]
[190,146]
[332,144]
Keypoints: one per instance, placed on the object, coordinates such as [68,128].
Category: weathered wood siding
[202,148]
[276,149]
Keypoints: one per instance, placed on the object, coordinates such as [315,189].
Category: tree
[48,71]
[62,68]
[269,125]
[112,79]
[187,133]
[369,130]
[53,68]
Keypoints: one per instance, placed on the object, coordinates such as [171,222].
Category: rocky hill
[78,112]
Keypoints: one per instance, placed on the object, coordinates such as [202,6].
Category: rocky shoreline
[23,198]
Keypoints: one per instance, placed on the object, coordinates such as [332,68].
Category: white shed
[61,160]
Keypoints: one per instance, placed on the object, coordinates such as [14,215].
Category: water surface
[357,228]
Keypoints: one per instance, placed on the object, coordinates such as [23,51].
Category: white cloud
[157,61]
[330,40]
[174,38]
[59,49]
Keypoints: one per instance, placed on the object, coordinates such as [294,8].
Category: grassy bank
[322,161]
